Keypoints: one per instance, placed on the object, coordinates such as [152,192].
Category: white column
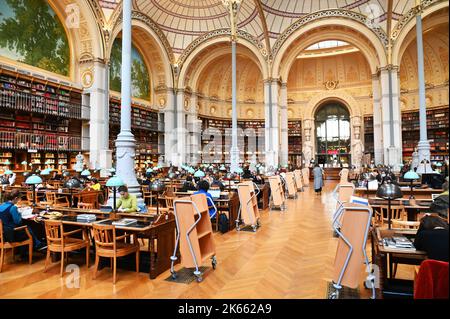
[391,116]
[169,127]
[181,130]
[194,130]
[272,120]
[234,152]
[284,148]
[125,143]
[377,121]
[424,147]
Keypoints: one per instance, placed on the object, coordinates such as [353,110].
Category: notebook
[124,222]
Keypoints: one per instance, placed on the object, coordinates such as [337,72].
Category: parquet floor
[291,256]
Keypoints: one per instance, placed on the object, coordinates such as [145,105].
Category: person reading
[203,187]
[127,202]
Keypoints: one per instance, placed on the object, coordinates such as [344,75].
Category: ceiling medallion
[331,85]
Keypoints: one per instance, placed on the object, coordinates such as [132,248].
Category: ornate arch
[341,96]
[219,36]
[374,48]
[402,35]
[144,23]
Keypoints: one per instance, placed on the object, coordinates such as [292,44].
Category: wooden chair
[30,198]
[381,216]
[7,245]
[147,195]
[60,242]
[169,202]
[108,245]
[85,205]
[88,199]
[53,200]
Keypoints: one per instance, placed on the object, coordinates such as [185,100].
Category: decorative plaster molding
[411,14]
[340,13]
[218,33]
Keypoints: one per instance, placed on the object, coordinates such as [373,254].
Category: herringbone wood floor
[291,256]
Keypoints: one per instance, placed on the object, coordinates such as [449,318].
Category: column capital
[283,85]
[389,67]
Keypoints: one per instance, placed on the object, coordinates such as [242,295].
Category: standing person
[318,179]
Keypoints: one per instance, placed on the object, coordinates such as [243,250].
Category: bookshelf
[437,129]
[369,146]
[254,128]
[145,127]
[39,120]
[295,142]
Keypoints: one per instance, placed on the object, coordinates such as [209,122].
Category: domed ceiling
[182,21]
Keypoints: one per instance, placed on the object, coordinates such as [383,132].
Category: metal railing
[50,142]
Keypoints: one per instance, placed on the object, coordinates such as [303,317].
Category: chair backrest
[169,202]
[54,232]
[30,196]
[432,280]
[50,197]
[397,213]
[104,236]
[90,198]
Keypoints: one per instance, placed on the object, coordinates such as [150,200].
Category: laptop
[215,193]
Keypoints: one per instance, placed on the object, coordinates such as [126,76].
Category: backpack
[223,223]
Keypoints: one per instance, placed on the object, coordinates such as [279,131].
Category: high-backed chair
[7,245]
[109,245]
[53,200]
[59,241]
[397,213]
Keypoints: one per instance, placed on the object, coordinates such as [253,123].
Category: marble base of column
[424,152]
[234,159]
[125,153]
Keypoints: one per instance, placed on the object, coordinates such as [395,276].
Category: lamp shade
[8,172]
[172,175]
[411,175]
[439,164]
[72,183]
[222,168]
[33,180]
[389,191]
[149,170]
[86,172]
[66,174]
[157,186]
[191,170]
[45,172]
[114,181]
[7,162]
[24,163]
[112,170]
[199,173]
[239,170]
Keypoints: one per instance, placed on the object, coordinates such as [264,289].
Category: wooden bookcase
[200,238]
[437,129]
[146,128]
[39,120]
[295,143]
[224,128]
[369,147]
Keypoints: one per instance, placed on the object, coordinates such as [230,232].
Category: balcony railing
[40,104]
[47,142]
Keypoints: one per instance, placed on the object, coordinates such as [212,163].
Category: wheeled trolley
[351,253]
[278,199]
[298,180]
[248,215]
[305,175]
[291,187]
[194,234]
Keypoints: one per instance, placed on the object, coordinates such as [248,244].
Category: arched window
[140,78]
[332,134]
[31,33]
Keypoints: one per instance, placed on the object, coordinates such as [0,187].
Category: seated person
[95,185]
[432,237]
[217,183]
[247,174]
[127,203]
[55,176]
[258,179]
[188,185]
[11,219]
[440,204]
[203,187]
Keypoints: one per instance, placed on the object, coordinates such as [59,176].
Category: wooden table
[418,193]
[382,255]
[158,229]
